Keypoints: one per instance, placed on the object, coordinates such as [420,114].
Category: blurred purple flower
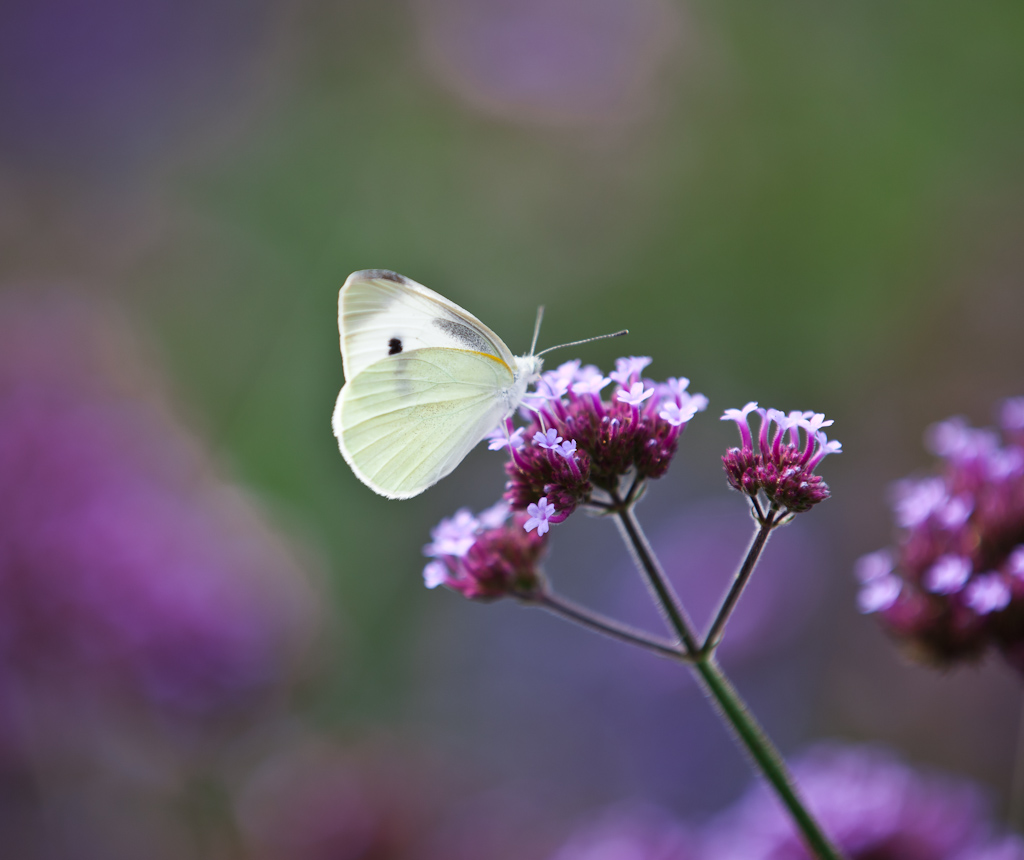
[1008,848]
[953,586]
[560,62]
[317,801]
[129,576]
[873,806]
[629,832]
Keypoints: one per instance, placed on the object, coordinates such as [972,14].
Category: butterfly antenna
[585,340]
[536,328]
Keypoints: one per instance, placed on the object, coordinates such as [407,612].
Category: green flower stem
[608,627]
[717,629]
[644,556]
[764,753]
[729,702]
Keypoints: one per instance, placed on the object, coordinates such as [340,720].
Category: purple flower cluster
[131,581]
[487,556]
[782,466]
[576,450]
[954,584]
[870,803]
[579,446]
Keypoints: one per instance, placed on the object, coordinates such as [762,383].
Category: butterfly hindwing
[408,419]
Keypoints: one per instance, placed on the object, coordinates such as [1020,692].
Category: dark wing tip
[381,275]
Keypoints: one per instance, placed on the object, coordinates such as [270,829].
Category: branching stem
[766,522]
[648,564]
[607,626]
[727,700]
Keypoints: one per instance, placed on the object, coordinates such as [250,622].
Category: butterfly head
[528,368]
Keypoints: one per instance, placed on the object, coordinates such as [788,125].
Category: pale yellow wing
[406,421]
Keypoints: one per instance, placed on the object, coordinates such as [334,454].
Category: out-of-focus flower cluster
[147,612]
[578,446]
[487,556]
[954,584]
[152,625]
[315,800]
[872,805]
[123,563]
[782,466]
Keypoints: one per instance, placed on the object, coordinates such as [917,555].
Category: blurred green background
[816,206]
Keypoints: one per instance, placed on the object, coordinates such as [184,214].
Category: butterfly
[425,381]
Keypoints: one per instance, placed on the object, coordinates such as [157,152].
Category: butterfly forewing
[407,420]
[382,314]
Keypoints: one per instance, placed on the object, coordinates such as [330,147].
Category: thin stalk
[757,544]
[648,563]
[763,751]
[729,702]
[608,627]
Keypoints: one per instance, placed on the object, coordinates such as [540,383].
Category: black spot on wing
[394,346]
[464,335]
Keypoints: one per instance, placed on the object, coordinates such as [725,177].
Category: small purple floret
[500,437]
[987,593]
[567,449]
[675,416]
[873,566]
[452,536]
[879,594]
[628,370]
[636,395]
[548,439]
[540,514]
[948,575]
[1012,414]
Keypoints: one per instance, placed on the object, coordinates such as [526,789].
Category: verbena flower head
[495,554]
[954,585]
[871,804]
[588,432]
[781,464]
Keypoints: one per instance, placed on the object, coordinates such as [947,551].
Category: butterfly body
[425,381]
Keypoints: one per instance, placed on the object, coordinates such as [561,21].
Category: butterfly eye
[394,346]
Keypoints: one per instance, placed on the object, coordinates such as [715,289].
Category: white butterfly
[425,381]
